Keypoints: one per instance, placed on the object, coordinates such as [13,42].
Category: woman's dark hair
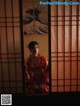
[32,44]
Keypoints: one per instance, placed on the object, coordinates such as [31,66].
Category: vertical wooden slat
[61,44]
[70,45]
[57,47]
[22,47]
[74,49]
[64,50]
[6,32]
[49,44]
[79,50]
[54,47]
[77,33]
[13,36]
[67,48]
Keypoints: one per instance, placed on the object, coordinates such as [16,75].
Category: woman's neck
[34,55]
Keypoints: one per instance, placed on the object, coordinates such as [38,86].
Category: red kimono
[37,75]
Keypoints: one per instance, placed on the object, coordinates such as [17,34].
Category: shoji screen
[10,47]
[65,47]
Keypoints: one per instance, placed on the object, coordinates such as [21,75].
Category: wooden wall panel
[10,47]
[65,44]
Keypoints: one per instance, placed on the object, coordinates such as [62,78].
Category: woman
[37,75]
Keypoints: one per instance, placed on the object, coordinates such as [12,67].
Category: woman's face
[35,50]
